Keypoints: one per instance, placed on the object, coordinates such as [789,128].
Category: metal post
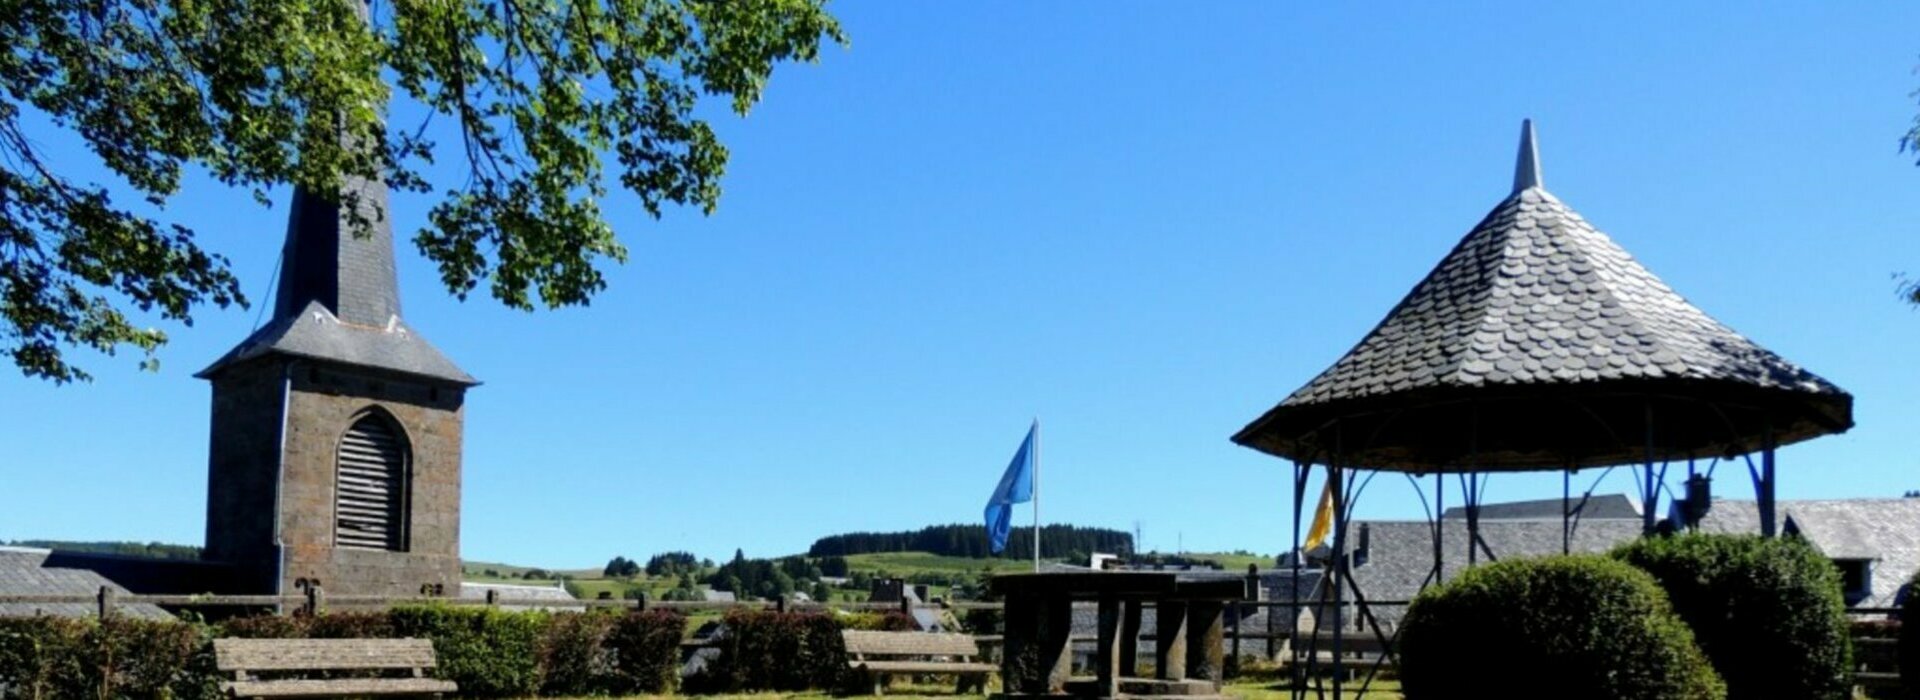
[314,596]
[1650,498]
[105,601]
[1339,558]
[1769,525]
[1566,511]
[1293,588]
[1439,527]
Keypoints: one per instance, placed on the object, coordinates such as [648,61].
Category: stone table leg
[1130,639]
[1106,657]
[1205,651]
[1019,653]
[1055,643]
[1170,639]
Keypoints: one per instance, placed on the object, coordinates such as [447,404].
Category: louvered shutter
[370,487]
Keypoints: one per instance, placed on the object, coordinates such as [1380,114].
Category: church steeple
[338,299]
[323,261]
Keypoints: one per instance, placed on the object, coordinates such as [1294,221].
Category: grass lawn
[1253,687]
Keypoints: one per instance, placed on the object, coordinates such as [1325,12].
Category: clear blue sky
[1143,223]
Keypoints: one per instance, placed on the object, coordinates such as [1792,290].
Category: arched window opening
[370,485]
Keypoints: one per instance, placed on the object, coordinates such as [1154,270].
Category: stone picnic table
[1189,617]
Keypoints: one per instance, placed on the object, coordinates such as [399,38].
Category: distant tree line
[1056,541]
[150,550]
[674,563]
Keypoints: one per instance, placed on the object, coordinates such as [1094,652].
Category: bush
[52,657]
[573,657]
[1599,629]
[646,652]
[1767,612]
[490,653]
[888,621]
[779,651]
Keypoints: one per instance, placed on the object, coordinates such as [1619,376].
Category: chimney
[1363,544]
[1699,499]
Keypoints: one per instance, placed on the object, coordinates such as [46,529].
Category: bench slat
[909,643]
[926,667]
[337,687]
[321,654]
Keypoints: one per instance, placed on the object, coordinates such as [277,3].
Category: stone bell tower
[336,429]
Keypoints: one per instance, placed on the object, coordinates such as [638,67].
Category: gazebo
[1538,344]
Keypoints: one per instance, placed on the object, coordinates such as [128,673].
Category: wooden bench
[1877,663]
[881,655]
[246,657]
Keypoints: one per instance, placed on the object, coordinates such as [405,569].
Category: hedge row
[489,653]
[1658,618]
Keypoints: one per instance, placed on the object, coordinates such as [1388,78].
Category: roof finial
[1526,172]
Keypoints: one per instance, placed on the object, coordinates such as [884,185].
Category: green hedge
[1767,611]
[53,658]
[488,652]
[1589,627]
[775,651]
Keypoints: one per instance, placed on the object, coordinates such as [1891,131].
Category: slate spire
[324,261]
[338,298]
[1526,168]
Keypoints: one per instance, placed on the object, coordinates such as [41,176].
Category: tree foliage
[1065,541]
[260,94]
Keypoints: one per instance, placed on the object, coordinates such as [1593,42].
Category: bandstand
[1537,344]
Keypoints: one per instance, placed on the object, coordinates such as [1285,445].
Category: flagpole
[1036,495]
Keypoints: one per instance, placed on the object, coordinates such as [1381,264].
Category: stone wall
[325,399]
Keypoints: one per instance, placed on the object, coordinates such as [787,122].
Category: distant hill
[152,550]
[970,541]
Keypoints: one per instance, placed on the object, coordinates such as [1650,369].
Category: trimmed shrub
[889,621]
[490,653]
[327,625]
[40,657]
[573,657]
[779,651]
[1599,629]
[1767,612]
[47,658]
[646,651]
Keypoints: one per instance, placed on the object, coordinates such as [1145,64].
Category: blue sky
[1143,223]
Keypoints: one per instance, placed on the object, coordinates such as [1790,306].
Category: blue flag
[1016,486]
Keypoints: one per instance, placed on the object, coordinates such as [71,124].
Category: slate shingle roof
[1537,308]
[1400,553]
[524,597]
[338,298]
[1885,531]
[26,571]
[1601,506]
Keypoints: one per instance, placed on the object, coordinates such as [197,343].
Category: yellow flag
[1323,515]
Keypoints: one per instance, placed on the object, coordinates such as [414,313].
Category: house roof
[29,571]
[338,298]
[524,597]
[1601,506]
[1400,553]
[1885,531]
[1540,342]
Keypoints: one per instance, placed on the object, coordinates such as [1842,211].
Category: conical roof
[1539,343]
